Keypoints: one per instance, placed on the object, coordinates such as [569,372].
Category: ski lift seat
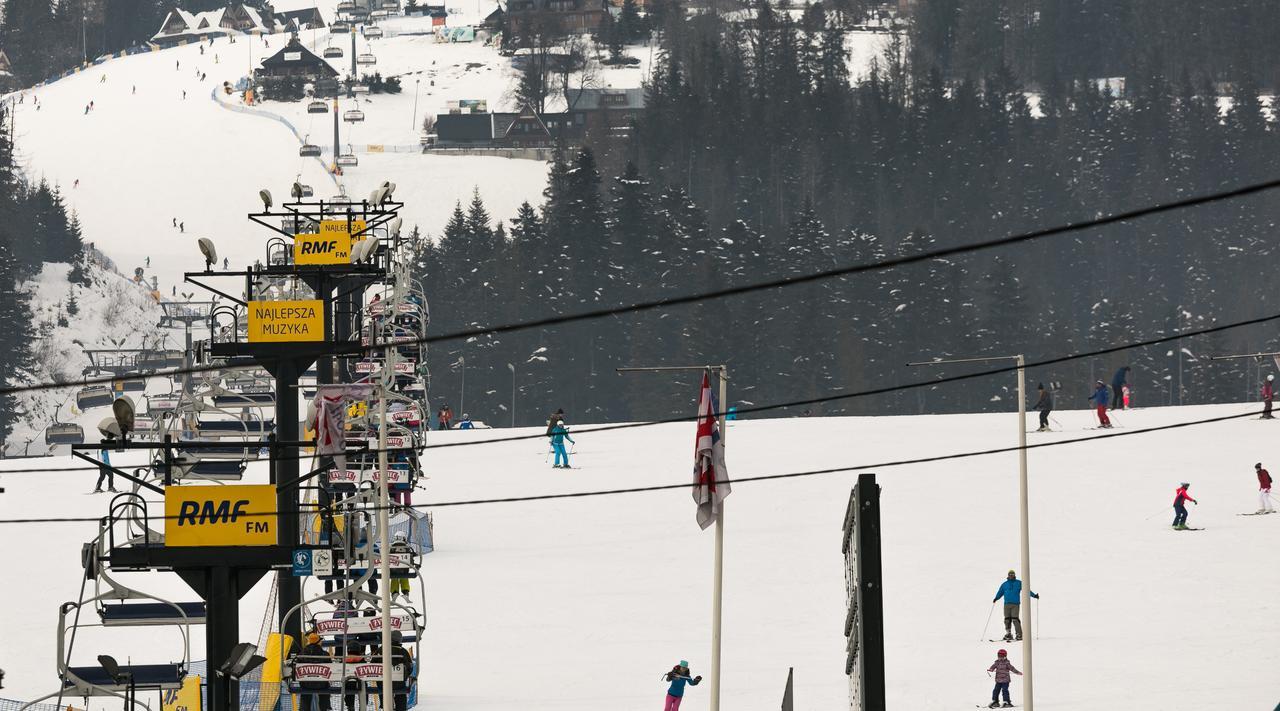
[373,638]
[373,32]
[359,88]
[93,396]
[347,160]
[317,107]
[309,150]
[146,677]
[186,456]
[244,400]
[353,116]
[333,53]
[366,59]
[124,614]
[232,428]
[217,469]
[64,433]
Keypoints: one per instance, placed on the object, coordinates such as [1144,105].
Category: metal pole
[384,518]
[717,583]
[512,368]
[1026,534]
[462,399]
[416,82]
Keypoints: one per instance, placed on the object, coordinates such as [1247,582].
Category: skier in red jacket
[1180,497]
[1264,490]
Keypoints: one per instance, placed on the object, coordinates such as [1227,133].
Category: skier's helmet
[1002,653]
[401,536]
[1099,382]
[1185,484]
[1270,378]
[1013,574]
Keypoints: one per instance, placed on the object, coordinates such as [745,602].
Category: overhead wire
[665,302]
[741,480]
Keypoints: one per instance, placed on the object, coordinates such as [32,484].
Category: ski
[1256,513]
[1188,529]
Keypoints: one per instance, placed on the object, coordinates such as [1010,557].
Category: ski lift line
[736,480]
[784,282]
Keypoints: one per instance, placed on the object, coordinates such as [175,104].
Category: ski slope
[144,156]
[582,603]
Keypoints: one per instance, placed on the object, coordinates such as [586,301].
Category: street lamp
[512,368]
[462,399]
[1025,607]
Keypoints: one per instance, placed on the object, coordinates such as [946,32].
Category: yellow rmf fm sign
[332,245]
[236,515]
[286,321]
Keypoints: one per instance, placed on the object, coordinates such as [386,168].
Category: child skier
[1100,399]
[559,433]
[678,676]
[1128,391]
[1264,489]
[1002,667]
[1180,497]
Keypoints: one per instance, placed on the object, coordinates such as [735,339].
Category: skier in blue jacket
[1011,591]
[678,676]
[559,433]
[1099,399]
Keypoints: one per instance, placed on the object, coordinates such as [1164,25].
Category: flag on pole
[710,476]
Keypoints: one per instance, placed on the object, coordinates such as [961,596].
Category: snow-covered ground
[583,603]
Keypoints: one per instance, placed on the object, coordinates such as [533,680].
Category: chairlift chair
[390,5]
[359,88]
[339,28]
[333,53]
[93,396]
[317,107]
[347,160]
[366,59]
[345,6]
[374,32]
[64,433]
[353,116]
[309,150]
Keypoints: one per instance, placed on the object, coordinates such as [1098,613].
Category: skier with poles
[1045,406]
[1011,591]
[1264,490]
[559,433]
[1099,399]
[1266,398]
[1180,497]
[1003,668]
[678,676]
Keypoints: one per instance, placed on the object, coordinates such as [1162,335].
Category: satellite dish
[207,249]
[395,225]
[265,195]
[109,428]
[123,409]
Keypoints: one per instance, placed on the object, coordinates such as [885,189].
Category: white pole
[1025,608]
[462,399]
[384,523]
[717,584]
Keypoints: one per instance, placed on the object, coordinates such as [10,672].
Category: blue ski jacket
[1011,591]
[1100,397]
[559,434]
[677,685]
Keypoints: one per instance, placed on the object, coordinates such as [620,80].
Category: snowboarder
[1003,668]
[1045,405]
[1264,489]
[1180,497]
[1099,400]
[1011,591]
[678,676]
[1117,386]
[559,433]
[1266,398]
[465,423]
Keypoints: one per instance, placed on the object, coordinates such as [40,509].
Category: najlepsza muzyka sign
[286,321]
[331,245]
[233,515]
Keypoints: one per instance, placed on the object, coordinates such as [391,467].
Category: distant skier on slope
[1267,394]
[559,433]
[679,677]
[1180,499]
[1264,489]
[465,423]
[1044,405]
[1117,387]
[1011,591]
[1099,399]
[1003,668]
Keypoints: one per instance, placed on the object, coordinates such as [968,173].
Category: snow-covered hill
[583,603]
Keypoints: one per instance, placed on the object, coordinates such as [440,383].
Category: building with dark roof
[295,61]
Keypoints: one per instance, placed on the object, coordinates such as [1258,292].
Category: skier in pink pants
[678,676]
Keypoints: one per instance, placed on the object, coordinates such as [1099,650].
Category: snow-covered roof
[203,24]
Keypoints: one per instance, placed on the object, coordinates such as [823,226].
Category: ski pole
[988,623]
[1037,619]
[1163,510]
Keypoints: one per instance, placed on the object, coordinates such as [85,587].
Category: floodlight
[242,661]
[109,428]
[112,667]
[123,410]
[389,186]
[296,191]
[209,251]
[265,196]
[395,226]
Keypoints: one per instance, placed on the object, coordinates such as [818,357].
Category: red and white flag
[710,476]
